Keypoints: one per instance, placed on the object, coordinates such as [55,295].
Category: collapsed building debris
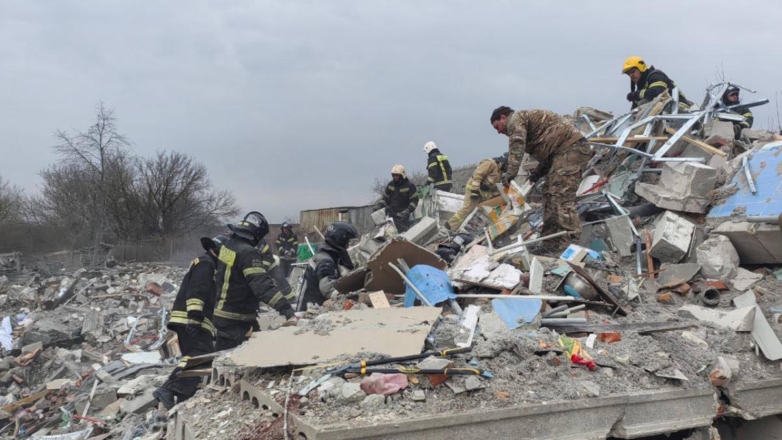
[657,320]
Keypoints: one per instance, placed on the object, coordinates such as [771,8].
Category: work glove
[534,176]
[334,295]
[404,215]
[289,313]
[634,96]
[506,178]
[475,195]
[485,187]
[291,322]
[378,207]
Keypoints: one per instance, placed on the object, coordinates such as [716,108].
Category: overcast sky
[296,105]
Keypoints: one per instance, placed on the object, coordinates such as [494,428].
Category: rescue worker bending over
[439,168]
[242,282]
[400,198]
[646,83]
[562,154]
[482,186]
[731,97]
[191,320]
[287,244]
[323,269]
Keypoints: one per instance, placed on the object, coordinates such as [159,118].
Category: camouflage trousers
[559,194]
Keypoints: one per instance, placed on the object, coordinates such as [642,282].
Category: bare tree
[175,195]
[11,202]
[91,154]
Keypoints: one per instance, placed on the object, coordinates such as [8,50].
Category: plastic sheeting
[433,283]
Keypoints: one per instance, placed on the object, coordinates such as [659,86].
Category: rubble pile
[83,351]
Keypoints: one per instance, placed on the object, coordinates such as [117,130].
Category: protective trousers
[559,194]
[233,335]
[194,343]
[468,206]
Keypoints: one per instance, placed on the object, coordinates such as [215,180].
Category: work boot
[165,397]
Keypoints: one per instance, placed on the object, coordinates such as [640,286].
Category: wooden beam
[700,144]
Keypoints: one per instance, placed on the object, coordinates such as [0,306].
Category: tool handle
[415,370]
[436,353]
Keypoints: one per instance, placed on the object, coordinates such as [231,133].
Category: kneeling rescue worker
[323,269]
[191,319]
[646,83]
[562,154]
[731,97]
[400,198]
[482,186]
[243,281]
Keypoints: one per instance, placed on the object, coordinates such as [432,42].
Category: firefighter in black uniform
[273,266]
[400,198]
[731,97]
[243,281]
[323,269]
[191,319]
[439,167]
[287,242]
[646,83]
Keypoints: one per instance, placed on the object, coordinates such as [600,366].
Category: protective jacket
[540,133]
[286,243]
[272,266]
[484,180]
[195,301]
[749,119]
[439,168]
[400,195]
[322,271]
[243,280]
[652,83]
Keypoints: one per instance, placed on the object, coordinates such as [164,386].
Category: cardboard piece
[383,277]
[762,332]
[352,282]
[379,300]
[391,331]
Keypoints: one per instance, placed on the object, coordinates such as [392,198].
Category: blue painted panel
[766,167]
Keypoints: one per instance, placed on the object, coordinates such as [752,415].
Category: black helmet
[252,228]
[339,234]
[502,161]
[728,92]
[213,243]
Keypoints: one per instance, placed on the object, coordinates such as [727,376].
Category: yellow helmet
[399,169]
[634,63]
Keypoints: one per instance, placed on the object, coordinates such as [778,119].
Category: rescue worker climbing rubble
[439,167]
[646,83]
[731,97]
[482,186]
[287,243]
[562,154]
[323,269]
[243,281]
[400,198]
[191,320]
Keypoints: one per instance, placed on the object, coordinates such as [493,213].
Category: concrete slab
[745,279]
[718,258]
[620,234]
[139,404]
[762,332]
[741,320]
[745,238]
[421,231]
[672,236]
[684,186]
[673,272]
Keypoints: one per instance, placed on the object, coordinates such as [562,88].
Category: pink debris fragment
[385,384]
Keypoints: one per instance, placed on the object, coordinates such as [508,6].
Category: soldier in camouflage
[562,154]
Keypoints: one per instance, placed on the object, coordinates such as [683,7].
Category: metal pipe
[412,286]
[749,105]
[309,245]
[761,218]
[679,133]
[562,321]
[566,312]
[555,310]
[748,174]
[680,159]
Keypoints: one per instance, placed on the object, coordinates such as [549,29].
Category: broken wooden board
[392,332]
[643,328]
[762,332]
[383,277]
[352,281]
[623,309]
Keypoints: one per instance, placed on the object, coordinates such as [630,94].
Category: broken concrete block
[91,326]
[434,363]
[757,134]
[718,133]
[27,349]
[536,277]
[352,393]
[721,375]
[139,404]
[740,320]
[373,401]
[691,337]
[745,279]
[379,216]
[56,384]
[620,234]
[675,272]
[418,396]
[756,243]
[684,186]
[762,332]
[718,258]
[590,389]
[473,383]
[672,235]
[421,231]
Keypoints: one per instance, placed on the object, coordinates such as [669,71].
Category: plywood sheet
[390,331]
[384,278]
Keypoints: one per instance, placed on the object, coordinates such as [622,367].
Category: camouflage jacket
[541,134]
